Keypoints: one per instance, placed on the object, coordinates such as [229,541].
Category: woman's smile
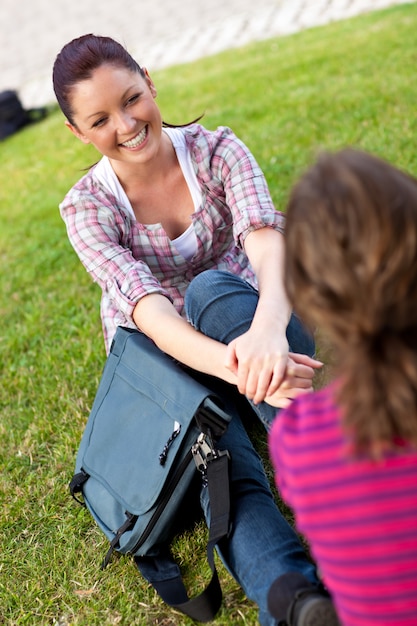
[115,110]
[137,140]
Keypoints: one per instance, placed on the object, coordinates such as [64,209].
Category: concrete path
[159,33]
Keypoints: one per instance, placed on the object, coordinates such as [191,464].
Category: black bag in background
[13,116]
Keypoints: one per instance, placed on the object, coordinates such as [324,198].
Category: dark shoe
[294,601]
[312,607]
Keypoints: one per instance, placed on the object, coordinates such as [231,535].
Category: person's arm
[157,318]
[259,357]
[100,234]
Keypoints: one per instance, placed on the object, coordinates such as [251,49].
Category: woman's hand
[259,357]
[259,362]
[260,366]
[266,371]
[298,380]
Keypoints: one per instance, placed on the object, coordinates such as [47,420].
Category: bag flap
[144,406]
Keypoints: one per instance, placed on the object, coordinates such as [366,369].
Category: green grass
[351,82]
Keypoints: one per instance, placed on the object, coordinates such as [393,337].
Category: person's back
[346,456]
[358,514]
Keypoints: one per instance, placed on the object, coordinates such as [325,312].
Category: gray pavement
[159,33]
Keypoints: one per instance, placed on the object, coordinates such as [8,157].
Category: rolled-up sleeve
[245,187]
[99,235]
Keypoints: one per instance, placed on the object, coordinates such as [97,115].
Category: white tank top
[186,243]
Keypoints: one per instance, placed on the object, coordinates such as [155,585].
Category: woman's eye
[99,122]
[132,99]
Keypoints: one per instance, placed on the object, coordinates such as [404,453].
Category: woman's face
[115,110]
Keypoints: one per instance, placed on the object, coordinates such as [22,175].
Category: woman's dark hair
[351,269]
[78,60]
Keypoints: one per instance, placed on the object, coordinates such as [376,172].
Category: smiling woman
[177,226]
[107,107]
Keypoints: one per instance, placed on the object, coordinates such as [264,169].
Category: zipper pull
[114,543]
[164,453]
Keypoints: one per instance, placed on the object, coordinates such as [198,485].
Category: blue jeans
[262,545]
[222,305]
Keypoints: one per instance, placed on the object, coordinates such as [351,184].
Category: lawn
[348,83]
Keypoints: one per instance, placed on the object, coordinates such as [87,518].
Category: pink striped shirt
[130,260]
[358,515]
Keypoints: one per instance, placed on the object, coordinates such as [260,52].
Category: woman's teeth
[136,141]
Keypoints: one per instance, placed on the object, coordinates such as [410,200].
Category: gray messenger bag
[152,430]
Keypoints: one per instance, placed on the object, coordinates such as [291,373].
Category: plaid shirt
[130,260]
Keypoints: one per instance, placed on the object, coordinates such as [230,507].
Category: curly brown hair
[351,270]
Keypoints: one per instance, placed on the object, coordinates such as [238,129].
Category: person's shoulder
[199,133]
[86,187]
[317,406]
[324,397]
[210,149]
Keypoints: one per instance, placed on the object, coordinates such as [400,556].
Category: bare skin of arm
[259,357]
[155,316]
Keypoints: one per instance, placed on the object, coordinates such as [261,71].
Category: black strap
[219,497]
[129,523]
[164,574]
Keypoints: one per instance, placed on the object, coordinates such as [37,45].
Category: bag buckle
[204,452]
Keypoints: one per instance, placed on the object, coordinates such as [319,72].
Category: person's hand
[259,362]
[298,380]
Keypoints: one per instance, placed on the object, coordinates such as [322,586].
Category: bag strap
[164,574]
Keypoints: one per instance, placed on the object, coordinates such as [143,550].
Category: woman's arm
[259,357]
[157,318]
